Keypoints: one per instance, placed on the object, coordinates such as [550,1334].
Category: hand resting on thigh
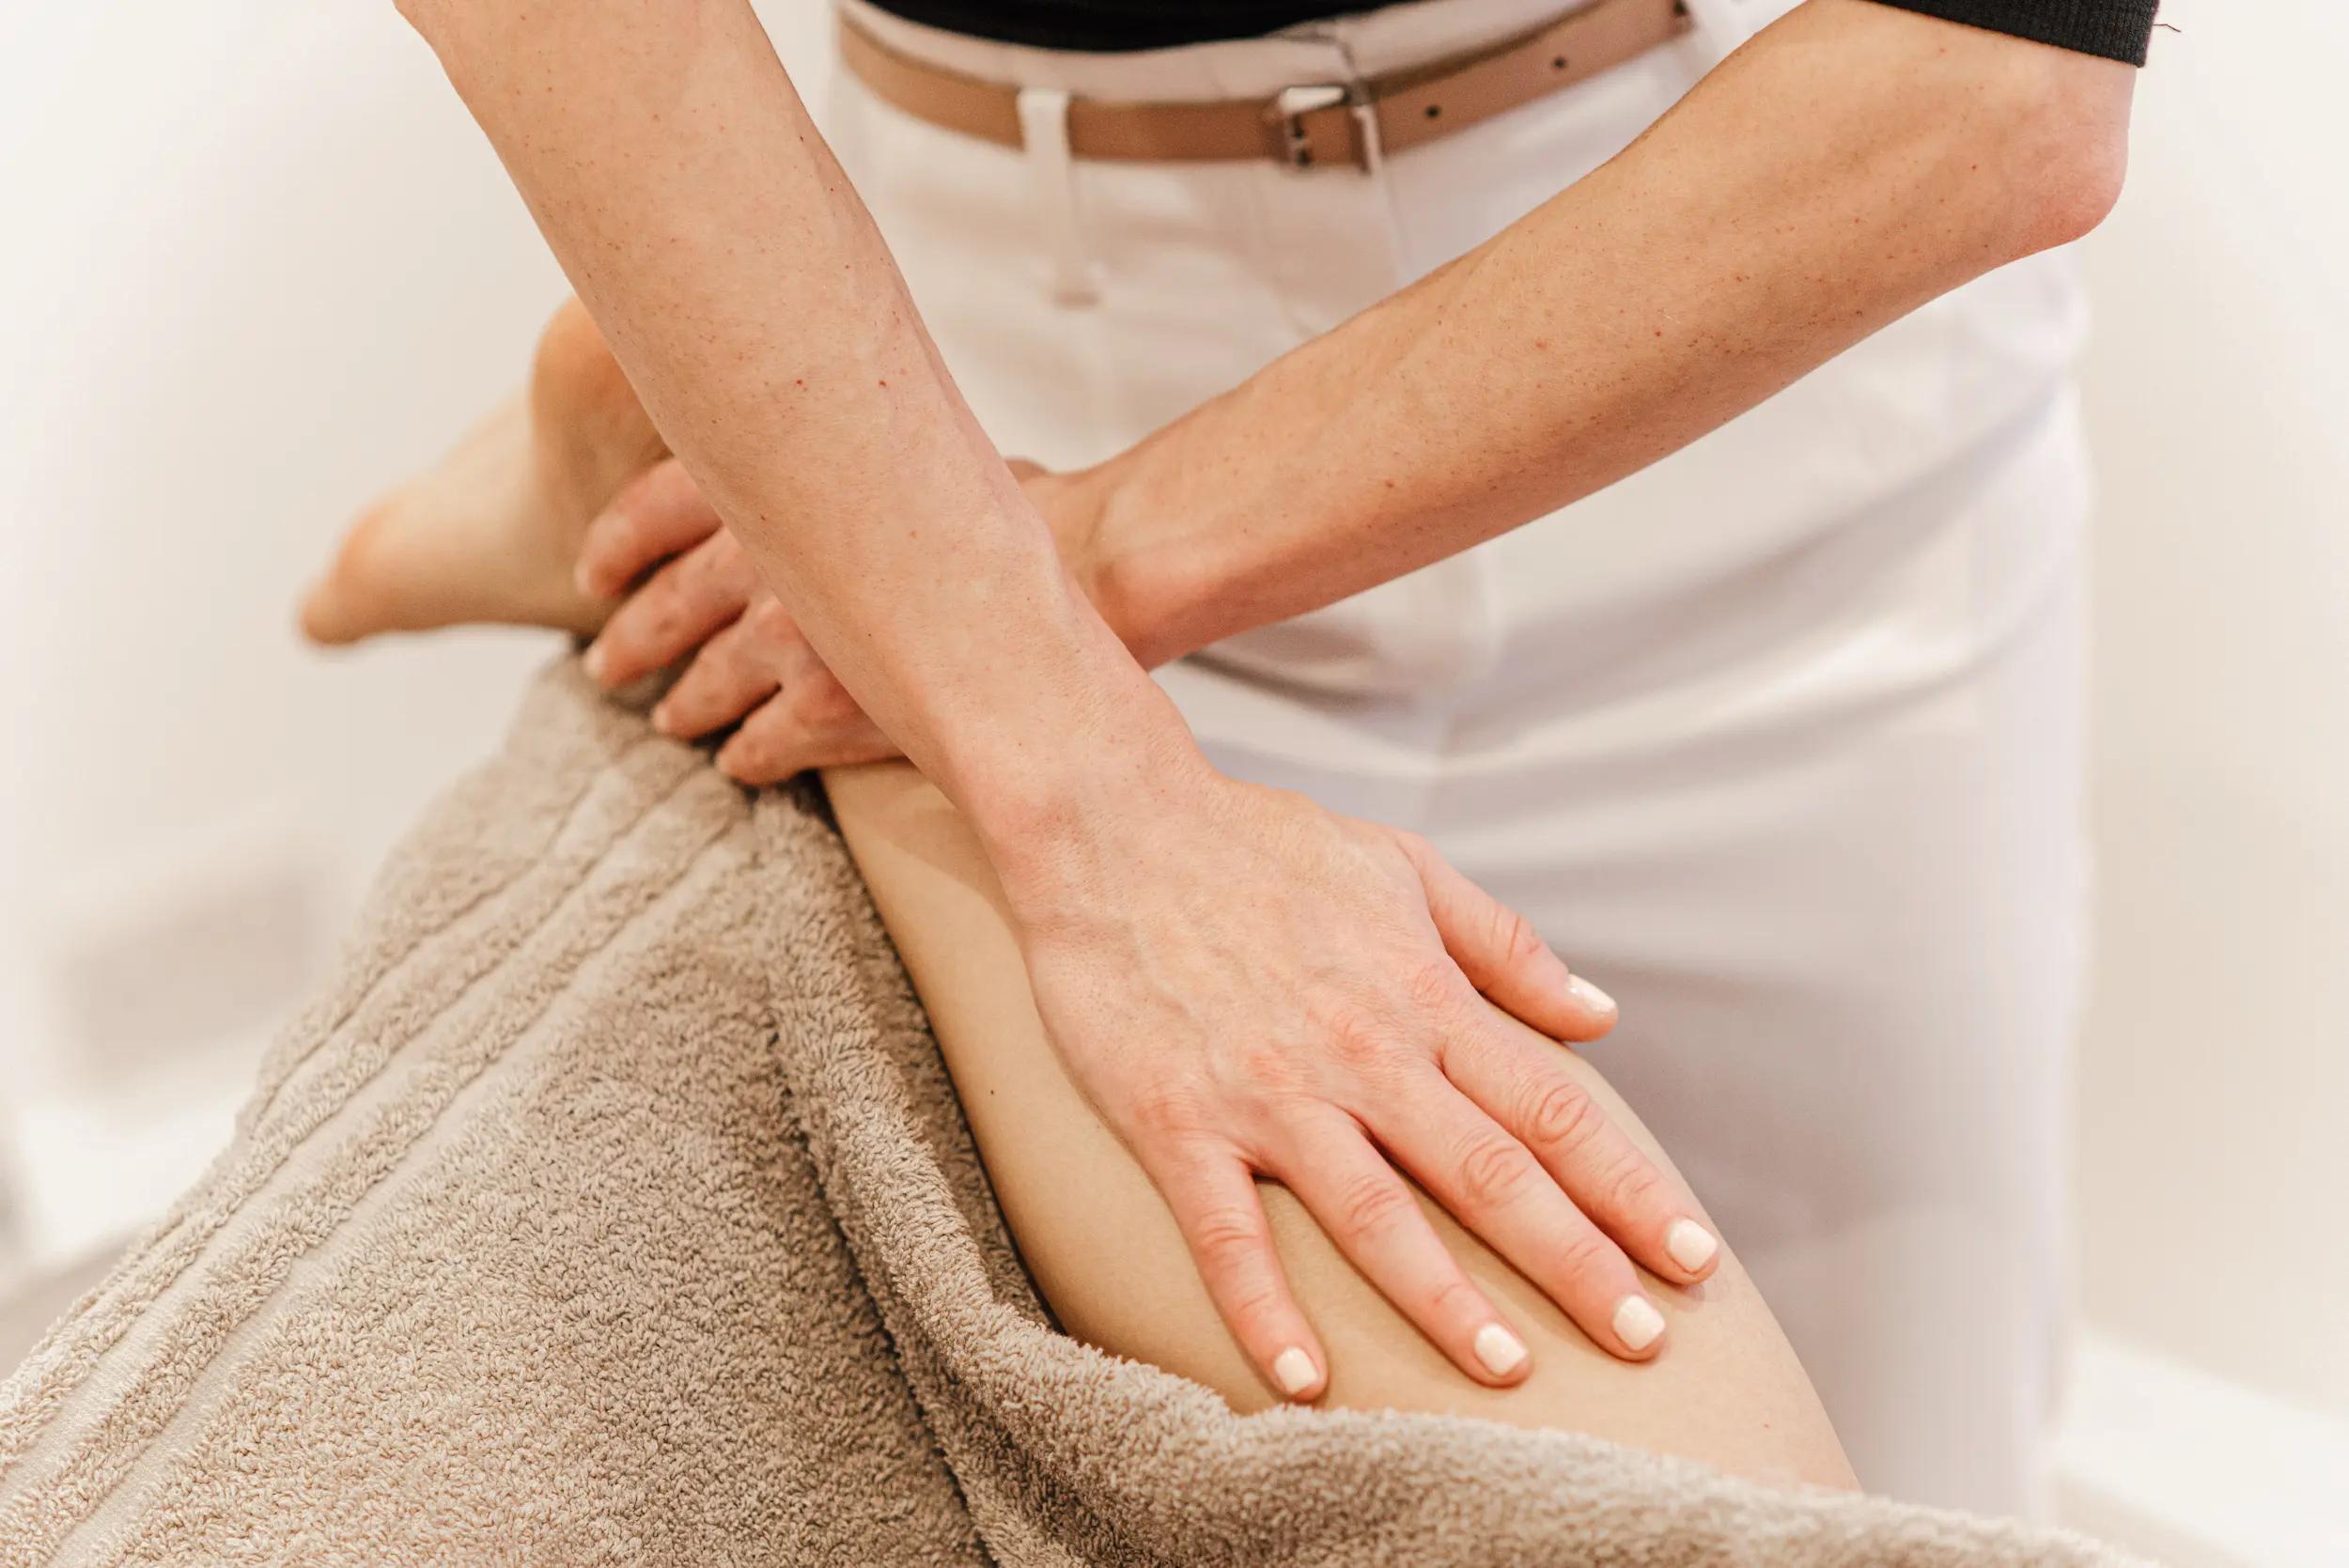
[1110,1261]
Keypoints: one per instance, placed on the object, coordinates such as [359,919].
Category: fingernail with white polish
[592,661]
[1589,994]
[1294,1372]
[1637,1322]
[1500,1351]
[1691,1245]
[665,722]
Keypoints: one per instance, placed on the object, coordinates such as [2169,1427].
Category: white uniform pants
[1778,740]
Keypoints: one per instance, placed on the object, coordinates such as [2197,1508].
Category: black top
[2117,29]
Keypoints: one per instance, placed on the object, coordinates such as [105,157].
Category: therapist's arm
[1240,981]
[1846,166]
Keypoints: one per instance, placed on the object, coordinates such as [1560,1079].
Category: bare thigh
[1103,1250]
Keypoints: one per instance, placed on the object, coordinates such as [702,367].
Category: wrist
[1110,524]
[1061,823]
[1084,739]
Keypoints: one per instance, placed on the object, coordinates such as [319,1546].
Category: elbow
[2066,150]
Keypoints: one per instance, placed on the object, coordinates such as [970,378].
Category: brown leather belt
[1306,126]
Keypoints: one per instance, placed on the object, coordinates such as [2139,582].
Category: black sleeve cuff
[2116,29]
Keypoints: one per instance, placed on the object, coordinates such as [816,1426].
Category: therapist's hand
[1287,993]
[1246,985]
[687,588]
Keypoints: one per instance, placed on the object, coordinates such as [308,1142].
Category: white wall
[2213,1155]
[259,264]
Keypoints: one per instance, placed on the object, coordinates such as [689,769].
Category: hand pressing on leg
[567,498]
[549,509]
[703,600]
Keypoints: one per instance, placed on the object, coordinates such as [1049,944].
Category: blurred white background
[261,265]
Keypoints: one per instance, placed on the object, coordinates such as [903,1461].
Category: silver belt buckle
[1284,120]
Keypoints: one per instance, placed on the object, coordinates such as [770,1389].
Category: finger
[1368,1210]
[809,723]
[1213,1197]
[679,609]
[1527,1089]
[730,675]
[1503,957]
[658,514]
[1492,1183]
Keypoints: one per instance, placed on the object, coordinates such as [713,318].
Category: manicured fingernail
[1637,1322]
[1589,994]
[584,580]
[1691,1244]
[593,661]
[665,722]
[1294,1372]
[1500,1351]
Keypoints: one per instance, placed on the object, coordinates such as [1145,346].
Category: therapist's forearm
[755,308]
[1848,165]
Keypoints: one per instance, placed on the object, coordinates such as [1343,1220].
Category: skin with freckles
[1526,375]
[1101,1244]
[1499,1135]
[1324,1030]
[1728,1391]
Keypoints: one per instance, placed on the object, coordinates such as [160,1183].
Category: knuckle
[659,622]
[1359,1042]
[702,574]
[1632,1183]
[1434,987]
[1229,1240]
[1453,1296]
[1514,936]
[630,538]
[1563,1116]
[1265,1070]
[770,621]
[746,755]
[1494,1172]
[821,705]
[1372,1204]
[1164,1111]
[735,657]
[835,705]
[1587,1256]
[622,643]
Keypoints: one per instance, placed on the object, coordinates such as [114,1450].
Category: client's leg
[1728,1391]
[492,531]
[490,535]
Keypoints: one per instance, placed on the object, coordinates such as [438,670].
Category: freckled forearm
[756,309]
[1848,166]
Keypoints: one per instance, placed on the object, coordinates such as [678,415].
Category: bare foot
[492,531]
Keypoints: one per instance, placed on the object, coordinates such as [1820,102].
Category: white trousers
[1778,741]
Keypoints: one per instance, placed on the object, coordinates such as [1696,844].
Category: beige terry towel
[612,1206]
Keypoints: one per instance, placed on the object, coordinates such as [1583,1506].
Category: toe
[343,605]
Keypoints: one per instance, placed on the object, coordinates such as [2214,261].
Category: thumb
[1503,957]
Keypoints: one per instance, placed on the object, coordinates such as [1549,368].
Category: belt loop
[1052,177]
